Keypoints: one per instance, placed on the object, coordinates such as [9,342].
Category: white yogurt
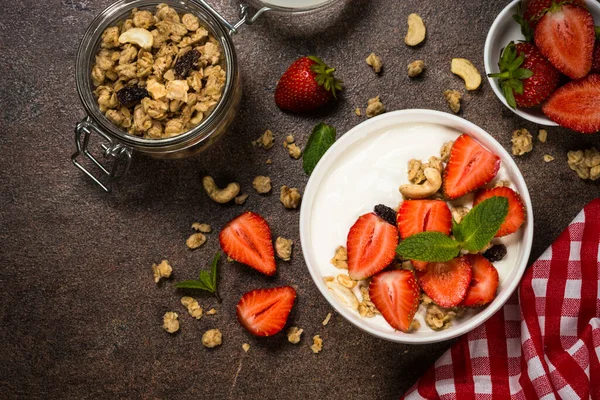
[369,173]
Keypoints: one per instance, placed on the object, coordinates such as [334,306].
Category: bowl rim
[491,65]
[347,140]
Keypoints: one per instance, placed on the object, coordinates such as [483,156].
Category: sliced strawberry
[247,239]
[469,167]
[264,312]
[396,296]
[371,246]
[565,36]
[415,216]
[516,208]
[576,105]
[446,283]
[484,282]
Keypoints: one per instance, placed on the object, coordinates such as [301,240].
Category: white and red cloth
[545,342]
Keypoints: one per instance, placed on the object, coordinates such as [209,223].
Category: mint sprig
[320,140]
[207,280]
[473,233]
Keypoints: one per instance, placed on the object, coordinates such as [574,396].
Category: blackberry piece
[386,213]
[130,95]
[495,253]
[185,63]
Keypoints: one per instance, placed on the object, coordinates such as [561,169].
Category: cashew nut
[140,36]
[463,68]
[429,188]
[221,196]
[416,30]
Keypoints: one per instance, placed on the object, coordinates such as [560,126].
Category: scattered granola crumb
[241,199]
[269,161]
[162,270]
[262,184]
[414,325]
[522,142]
[289,139]
[283,248]
[346,281]
[415,68]
[416,172]
[542,135]
[290,197]
[170,322]
[294,333]
[453,98]
[294,151]
[502,183]
[458,213]
[246,347]
[195,240]
[374,62]
[212,311]
[374,107]
[445,151]
[548,158]
[229,259]
[357,112]
[340,258]
[192,306]
[266,140]
[439,318]
[317,345]
[204,228]
[366,308]
[212,338]
[327,318]
[585,162]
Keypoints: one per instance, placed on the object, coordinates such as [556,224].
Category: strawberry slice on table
[264,312]
[371,246]
[565,36]
[446,282]
[396,296]
[306,85]
[516,208]
[469,167]
[415,216]
[526,77]
[247,239]
[576,105]
[484,282]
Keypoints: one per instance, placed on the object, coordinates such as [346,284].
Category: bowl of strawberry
[542,59]
[416,226]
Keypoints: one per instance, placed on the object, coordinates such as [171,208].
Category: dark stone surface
[81,315]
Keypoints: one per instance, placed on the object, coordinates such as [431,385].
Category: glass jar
[117,145]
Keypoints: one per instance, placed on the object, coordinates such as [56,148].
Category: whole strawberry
[306,85]
[526,77]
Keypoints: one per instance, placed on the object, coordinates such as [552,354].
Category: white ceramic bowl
[364,168]
[503,30]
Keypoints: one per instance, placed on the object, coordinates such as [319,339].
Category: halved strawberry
[576,105]
[537,8]
[264,312]
[565,36]
[396,296]
[446,282]
[484,282]
[469,167]
[247,239]
[371,246]
[516,208]
[415,216]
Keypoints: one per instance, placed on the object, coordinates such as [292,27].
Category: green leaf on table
[207,280]
[428,246]
[481,224]
[321,139]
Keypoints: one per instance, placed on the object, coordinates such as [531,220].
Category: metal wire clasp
[119,154]
[245,17]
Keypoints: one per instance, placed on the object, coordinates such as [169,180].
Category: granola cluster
[585,162]
[159,74]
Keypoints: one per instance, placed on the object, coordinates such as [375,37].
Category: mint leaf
[207,280]
[321,139]
[428,246]
[481,224]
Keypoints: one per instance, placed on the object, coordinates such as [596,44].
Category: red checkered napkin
[545,342]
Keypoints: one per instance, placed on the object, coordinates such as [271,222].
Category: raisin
[186,62]
[495,253]
[128,96]
[386,213]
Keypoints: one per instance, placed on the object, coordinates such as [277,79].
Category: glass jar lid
[293,6]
